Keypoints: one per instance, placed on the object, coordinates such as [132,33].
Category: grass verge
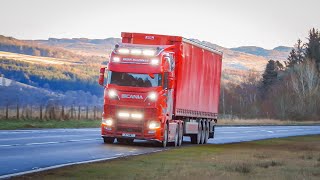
[286,158]
[264,122]
[33,124]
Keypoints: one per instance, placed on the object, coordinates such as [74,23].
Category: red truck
[160,88]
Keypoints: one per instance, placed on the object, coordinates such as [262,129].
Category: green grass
[13,124]
[267,159]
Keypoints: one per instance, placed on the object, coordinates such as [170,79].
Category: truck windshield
[134,80]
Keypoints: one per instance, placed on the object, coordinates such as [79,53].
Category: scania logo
[131,96]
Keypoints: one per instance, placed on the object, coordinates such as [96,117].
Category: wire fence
[42,112]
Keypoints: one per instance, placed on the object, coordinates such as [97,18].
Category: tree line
[289,90]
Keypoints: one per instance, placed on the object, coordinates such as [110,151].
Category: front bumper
[134,132]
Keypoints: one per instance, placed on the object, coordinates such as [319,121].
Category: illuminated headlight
[154,125]
[136,116]
[153,96]
[115,59]
[123,114]
[123,51]
[107,122]
[136,51]
[154,62]
[112,93]
[149,52]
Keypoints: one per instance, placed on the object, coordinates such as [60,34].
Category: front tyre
[108,140]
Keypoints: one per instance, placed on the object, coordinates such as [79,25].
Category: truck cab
[138,93]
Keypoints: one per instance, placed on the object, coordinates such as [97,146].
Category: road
[34,150]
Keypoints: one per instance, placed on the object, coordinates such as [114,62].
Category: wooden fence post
[62,113]
[7,111]
[79,115]
[94,112]
[18,112]
[87,113]
[40,112]
[72,112]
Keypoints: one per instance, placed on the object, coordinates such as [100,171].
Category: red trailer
[160,88]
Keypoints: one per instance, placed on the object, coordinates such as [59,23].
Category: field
[287,158]
[264,122]
[35,59]
[34,124]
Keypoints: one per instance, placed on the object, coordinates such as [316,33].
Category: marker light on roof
[123,51]
[136,52]
[149,52]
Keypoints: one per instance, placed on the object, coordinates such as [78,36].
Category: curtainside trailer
[160,88]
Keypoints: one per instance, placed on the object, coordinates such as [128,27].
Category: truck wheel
[108,140]
[165,137]
[203,132]
[199,135]
[176,137]
[121,140]
[180,137]
[206,137]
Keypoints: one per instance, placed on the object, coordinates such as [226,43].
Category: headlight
[153,96]
[136,116]
[154,62]
[123,114]
[107,122]
[115,59]
[112,93]
[154,125]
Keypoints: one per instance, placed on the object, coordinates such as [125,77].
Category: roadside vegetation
[35,124]
[286,158]
[285,90]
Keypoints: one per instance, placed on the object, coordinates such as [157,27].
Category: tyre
[176,137]
[206,135]
[199,135]
[108,140]
[121,140]
[165,137]
[180,135]
[203,132]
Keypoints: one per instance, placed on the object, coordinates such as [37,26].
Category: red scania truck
[160,88]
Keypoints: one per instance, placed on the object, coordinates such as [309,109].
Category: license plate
[128,135]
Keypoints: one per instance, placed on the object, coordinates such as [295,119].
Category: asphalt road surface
[24,151]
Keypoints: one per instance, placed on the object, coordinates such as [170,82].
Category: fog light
[136,116]
[123,114]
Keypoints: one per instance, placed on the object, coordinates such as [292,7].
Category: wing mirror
[171,83]
[101,76]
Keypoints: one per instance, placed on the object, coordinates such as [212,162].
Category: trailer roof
[163,40]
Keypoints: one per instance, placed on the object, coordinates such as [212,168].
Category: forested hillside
[289,90]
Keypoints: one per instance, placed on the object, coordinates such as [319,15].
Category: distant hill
[33,48]
[279,53]
[84,46]
[71,66]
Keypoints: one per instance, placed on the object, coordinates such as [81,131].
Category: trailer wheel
[180,137]
[199,135]
[108,140]
[206,136]
[203,132]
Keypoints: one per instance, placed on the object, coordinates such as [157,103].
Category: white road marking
[69,164]
[43,143]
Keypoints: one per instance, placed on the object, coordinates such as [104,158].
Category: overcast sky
[229,23]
